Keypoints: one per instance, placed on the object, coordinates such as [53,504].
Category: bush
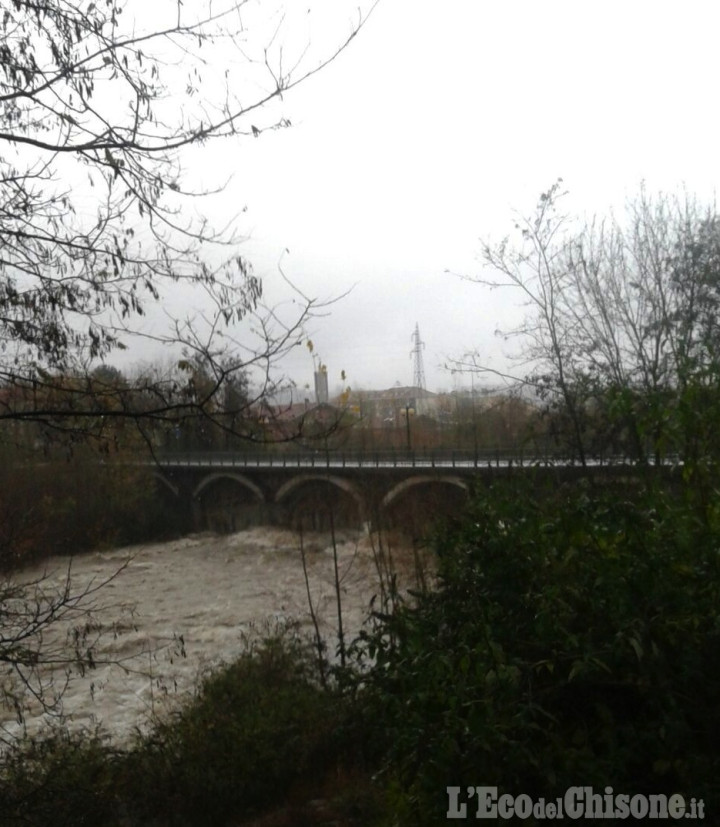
[574,639]
[59,779]
[258,732]
[255,727]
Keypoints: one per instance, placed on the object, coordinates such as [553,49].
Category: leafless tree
[642,303]
[99,101]
[535,266]
[48,630]
[621,329]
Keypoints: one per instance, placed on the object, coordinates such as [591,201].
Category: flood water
[172,610]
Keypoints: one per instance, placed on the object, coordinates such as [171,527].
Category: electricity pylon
[417,357]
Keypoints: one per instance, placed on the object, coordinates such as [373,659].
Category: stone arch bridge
[228,491]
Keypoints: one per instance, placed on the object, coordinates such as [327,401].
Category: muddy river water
[175,609]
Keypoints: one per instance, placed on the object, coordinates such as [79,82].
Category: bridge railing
[376,459]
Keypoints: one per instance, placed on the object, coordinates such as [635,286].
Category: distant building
[321,386]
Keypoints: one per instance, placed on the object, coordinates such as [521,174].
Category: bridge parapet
[377,459]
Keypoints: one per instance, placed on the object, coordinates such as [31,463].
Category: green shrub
[256,728]
[59,779]
[574,638]
[258,732]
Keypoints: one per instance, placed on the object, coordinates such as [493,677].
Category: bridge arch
[220,475]
[342,483]
[420,479]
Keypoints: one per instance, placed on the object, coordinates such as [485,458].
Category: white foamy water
[177,608]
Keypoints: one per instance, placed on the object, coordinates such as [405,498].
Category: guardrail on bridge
[377,459]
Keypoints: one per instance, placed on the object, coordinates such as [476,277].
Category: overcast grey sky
[431,128]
